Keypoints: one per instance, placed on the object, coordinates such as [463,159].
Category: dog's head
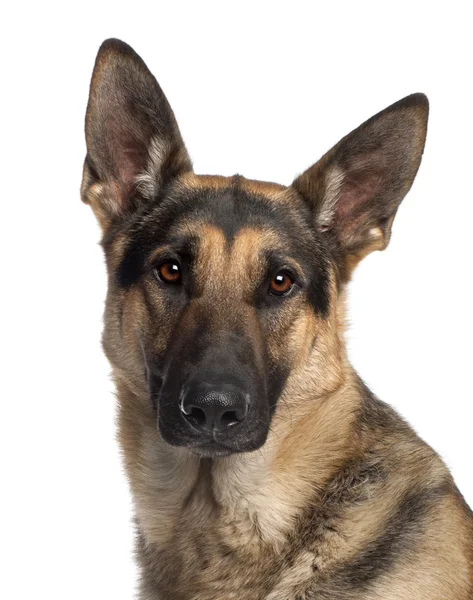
[220,287]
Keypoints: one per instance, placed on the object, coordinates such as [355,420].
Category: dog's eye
[169,271]
[281,284]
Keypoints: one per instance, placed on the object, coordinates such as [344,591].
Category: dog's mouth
[208,446]
[211,449]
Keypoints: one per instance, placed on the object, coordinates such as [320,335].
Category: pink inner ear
[130,163]
[364,179]
[357,189]
[128,150]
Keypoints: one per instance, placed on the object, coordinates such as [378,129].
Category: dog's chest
[215,557]
[212,557]
[241,546]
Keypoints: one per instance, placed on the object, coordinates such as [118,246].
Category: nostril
[230,418]
[195,415]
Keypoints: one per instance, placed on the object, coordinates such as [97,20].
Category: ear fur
[355,189]
[133,142]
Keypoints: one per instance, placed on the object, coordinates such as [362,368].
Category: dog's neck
[310,439]
[303,451]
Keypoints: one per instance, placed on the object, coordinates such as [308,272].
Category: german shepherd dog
[260,465]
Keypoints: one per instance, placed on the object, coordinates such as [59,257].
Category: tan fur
[215,182]
[435,572]
[250,503]
[342,500]
[271,190]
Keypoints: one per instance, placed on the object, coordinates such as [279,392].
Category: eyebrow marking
[234,208]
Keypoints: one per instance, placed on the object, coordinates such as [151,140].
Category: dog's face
[222,271]
[220,287]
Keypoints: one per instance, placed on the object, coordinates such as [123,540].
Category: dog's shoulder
[390,521]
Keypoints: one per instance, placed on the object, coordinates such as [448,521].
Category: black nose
[212,408]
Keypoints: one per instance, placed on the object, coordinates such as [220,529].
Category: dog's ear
[133,142]
[355,190]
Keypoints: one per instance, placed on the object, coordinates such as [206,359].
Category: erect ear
[356,188]
[133,142]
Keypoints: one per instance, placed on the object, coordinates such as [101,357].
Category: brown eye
[281,284]
[169,271]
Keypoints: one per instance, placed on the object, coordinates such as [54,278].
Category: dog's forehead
[232,204]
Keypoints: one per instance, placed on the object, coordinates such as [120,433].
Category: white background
[261,89]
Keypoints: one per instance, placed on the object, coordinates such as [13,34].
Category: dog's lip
[211,448]
[205,445]
[207,453]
